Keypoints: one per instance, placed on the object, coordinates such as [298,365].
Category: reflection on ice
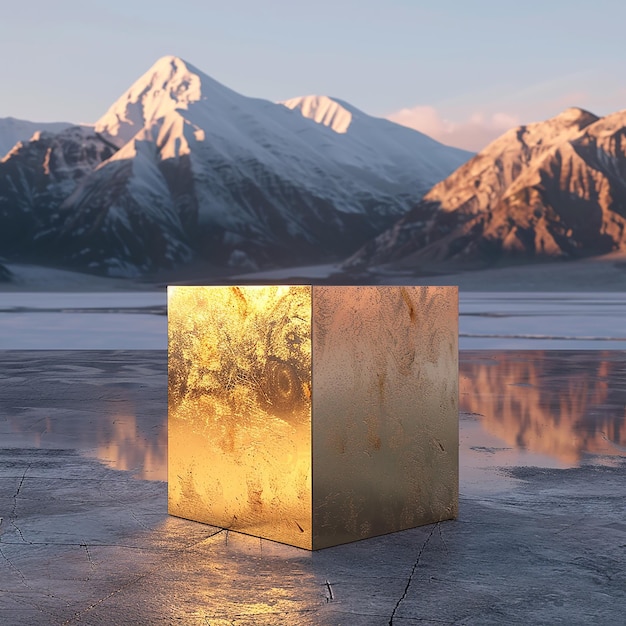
[109,405]
[121,444]
[565,405]
[119,440]
[543,408]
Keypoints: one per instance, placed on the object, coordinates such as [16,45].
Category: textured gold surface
[313,416]
[239,426]
[385,410]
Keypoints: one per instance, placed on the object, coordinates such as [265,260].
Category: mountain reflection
[123,445]
[122,440]
[564,404]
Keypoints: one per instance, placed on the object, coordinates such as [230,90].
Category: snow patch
[323,110]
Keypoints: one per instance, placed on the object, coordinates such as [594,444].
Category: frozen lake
[138,321]
[542,321]
[83,321]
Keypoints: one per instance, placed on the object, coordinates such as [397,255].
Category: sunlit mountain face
[567,405]
[553,189]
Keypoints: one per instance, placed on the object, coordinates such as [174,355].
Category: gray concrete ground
[85,537]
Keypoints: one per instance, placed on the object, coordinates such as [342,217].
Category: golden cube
[313,416]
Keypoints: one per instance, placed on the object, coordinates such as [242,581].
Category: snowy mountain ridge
[181,167]
[13,131]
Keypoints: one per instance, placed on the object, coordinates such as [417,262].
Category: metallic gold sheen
[313,416]
[239,421]
[385,410]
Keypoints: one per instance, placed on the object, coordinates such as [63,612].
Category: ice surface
[487,321]
[77,321]
[527,321]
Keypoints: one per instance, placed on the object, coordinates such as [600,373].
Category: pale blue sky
[461,71]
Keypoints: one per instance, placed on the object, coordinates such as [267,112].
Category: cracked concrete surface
[85,537]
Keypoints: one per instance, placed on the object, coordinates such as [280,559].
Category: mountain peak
[169,61]
[537,135]
[331,112]
[170,84]
[575,116]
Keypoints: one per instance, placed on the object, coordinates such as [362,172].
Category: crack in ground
[19,532]
[126,546]
[78,615]
[410,580]
[443,541]
[19,487]
[151,529]
[197,542]
[92,563]
[330,596]
[14,511]
[13,566]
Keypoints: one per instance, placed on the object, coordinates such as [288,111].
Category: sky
[462,72]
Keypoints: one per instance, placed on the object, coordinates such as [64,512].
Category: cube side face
[239,409]
[385,410]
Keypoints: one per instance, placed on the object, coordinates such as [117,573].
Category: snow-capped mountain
[13,130]
[194,169]
[551,189]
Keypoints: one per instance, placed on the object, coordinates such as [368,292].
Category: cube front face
[313,416]
[239,424]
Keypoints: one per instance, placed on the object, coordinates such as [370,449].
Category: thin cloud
[473,133]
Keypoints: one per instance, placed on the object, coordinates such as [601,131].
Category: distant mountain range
[554,189]
[183,168]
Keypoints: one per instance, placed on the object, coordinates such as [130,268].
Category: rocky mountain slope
[36,176]
[554,189]
[183,168]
